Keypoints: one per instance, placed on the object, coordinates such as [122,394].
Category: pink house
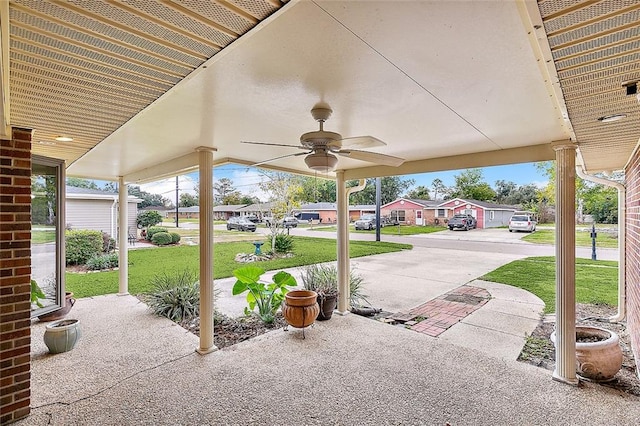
[488,215]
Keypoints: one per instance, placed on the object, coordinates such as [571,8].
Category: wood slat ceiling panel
[596,49]
[84,68]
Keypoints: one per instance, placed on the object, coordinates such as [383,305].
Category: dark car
[241,224]
[462,221]
[253,218]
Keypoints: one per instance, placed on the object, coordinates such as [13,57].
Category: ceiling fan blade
[372,157]
[278,158]
[274,144]
[362,142]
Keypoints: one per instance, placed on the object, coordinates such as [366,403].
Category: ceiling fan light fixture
[321,161]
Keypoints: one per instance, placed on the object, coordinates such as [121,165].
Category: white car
[522,222]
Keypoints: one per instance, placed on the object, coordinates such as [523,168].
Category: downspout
[114,213]
[622,213]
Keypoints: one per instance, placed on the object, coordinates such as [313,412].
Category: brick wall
[15,276]
[632,174]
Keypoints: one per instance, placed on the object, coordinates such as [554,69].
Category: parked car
[368,221]
[289,222]
[462,221]
[241,224]
[522,222]
[253,218]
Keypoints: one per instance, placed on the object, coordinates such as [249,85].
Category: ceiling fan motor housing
[321,139]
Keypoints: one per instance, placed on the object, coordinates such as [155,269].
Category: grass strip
[596,280]
[145,263]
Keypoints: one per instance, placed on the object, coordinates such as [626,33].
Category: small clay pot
[300,308]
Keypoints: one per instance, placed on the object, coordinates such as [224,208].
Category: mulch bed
[229,331]
[539,349]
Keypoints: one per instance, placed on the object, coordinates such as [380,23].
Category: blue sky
[246,179]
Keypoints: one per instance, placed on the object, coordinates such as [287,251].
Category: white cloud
[167,187]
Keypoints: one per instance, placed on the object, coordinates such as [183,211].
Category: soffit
[596,48]
[83,68]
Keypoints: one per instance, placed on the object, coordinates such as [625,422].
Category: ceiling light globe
[321,161]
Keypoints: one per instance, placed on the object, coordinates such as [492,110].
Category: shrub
[175,296]
[105,261]
[283,243]
[154,230]
[175,237]
[82,245]
[148,218]
[161,238]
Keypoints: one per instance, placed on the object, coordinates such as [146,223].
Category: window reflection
[46,177]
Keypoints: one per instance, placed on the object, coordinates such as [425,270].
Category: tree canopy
[391,187]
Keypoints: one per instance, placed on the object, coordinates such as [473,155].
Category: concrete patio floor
[131,367]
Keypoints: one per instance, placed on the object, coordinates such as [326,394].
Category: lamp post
[593,241]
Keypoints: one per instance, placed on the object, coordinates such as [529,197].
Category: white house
[97,210]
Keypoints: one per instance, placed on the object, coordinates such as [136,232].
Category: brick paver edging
[437,315]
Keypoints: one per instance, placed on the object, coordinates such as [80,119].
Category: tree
[148,218]
[148,200]
[285,193]
[391,188]
[419,193]
[318,190]
[601,202]
[81,183]
[470,185]
[438,188]
[188,200]
[222,188]
[232,198]
[512,194]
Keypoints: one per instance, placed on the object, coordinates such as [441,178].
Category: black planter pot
[327,305]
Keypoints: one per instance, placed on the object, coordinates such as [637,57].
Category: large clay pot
[327,304]
[69,301]
[61,336]
[597,361]
[300,308]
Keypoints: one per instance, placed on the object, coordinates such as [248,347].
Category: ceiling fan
[321,145]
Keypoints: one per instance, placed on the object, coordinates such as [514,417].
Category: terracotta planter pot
[69,301]
[597,361]
[61,336]
[327,305]
[300,308]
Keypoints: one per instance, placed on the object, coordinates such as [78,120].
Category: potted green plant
[37,294]
[323,279]
[267,297]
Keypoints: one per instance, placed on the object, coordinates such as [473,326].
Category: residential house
[488,215]
[192,212]
[224,212]
[97,210]
[408,211]
[328,212]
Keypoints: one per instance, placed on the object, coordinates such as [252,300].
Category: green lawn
[596,281]
[390,230]
[41,237]
[583,238]
[144,264]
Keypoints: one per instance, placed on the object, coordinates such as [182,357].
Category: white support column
[343,243]
[565,370]
[123,240]
[205,160]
